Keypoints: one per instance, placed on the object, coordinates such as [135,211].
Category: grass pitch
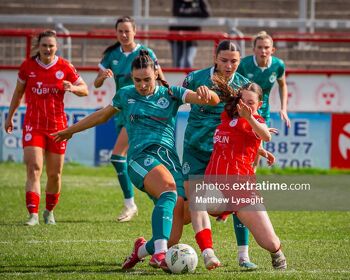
[87,243]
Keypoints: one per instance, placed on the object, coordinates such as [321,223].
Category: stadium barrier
[318,106]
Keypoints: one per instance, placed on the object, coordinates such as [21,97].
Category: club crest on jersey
[59,75]
[250,76]
[163,103]
[148,161]
[115,62]
[28,137]
[273,77]
[186,168]
[233,122]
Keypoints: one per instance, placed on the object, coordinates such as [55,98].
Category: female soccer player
[116,63]
[243,130]
[265,69]
[198,145]
[44,79]
[154,166]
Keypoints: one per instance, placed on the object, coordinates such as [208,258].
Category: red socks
[51,200]
[204,239]
[32,202]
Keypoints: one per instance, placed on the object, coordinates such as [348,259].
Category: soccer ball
[181,258]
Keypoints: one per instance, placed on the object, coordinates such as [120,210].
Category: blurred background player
[154,166]
[116,63]
[184,52]
[198,146]
[44,78]
[244,130]
[265,69]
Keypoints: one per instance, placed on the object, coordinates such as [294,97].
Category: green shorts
[152,156]
[194,162]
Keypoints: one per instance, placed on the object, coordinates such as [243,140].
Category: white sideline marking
[63,241]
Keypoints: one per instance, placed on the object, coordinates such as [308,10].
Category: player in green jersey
[265,69]
[116,63]
[154,167]
[198,146]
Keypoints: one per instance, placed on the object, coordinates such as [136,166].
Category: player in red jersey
[44,78]
[236,144]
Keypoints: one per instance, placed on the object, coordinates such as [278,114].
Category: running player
[44,78]
[116,63]
[154,167]
[198,145]
[243,130]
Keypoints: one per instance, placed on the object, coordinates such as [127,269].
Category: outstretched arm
[202,96]
[96,118]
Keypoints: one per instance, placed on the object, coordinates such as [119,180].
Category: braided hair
[143,60]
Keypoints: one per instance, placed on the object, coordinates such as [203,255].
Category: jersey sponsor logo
[59,75]
[233,122]
[148,161]
[186,168]
[221,139]
[115,62]
[40,89]
[163,103]
[131,101]
[28,137]
[250,76]
[273,77]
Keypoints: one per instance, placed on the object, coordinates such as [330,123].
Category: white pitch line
[63,241]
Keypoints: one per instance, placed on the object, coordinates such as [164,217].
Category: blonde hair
[262,35]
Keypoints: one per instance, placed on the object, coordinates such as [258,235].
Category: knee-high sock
[204,239]
[242,233]
[51,200]
[121,167]
[32,202]
[162,219]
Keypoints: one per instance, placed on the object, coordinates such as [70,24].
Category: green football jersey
[120,64]
[203,119]
[264,77]
[149,119]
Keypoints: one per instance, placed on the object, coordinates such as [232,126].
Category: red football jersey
[235,147]
[44,92]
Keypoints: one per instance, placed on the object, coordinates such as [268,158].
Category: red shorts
[42,139]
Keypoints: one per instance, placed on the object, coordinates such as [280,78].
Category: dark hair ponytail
[120,20]
[226,45]
[143,60]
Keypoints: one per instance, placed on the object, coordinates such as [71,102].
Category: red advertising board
[340,142]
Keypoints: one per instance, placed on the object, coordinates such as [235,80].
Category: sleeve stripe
[184,96]
[101,67]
